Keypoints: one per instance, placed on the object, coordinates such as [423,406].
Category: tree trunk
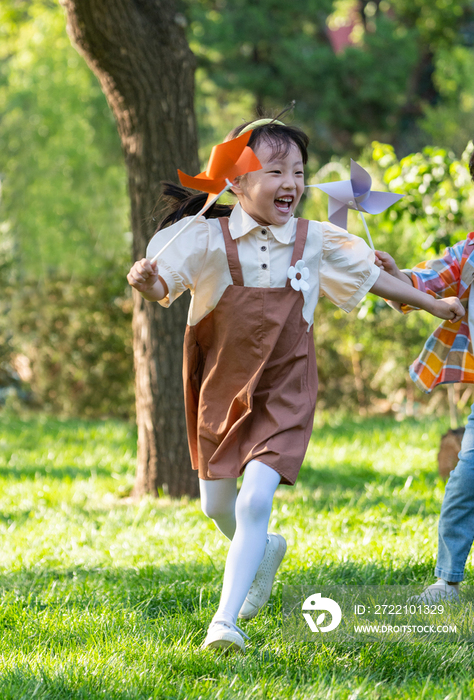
[139,53]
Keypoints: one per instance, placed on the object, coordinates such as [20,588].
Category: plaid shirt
[448,354]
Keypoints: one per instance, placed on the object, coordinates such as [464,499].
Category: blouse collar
[241,223]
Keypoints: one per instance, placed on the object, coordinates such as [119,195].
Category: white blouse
[341,265]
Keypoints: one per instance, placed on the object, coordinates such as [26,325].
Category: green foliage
[77,335]
[64,208]
[63,220]
[375,345]
[6,273]
[363,357]
[449,122]
[102,597]
[437,23]
[438,197]
[265,55]
[356,92]
[63,179]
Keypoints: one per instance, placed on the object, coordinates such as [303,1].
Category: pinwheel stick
[205,208]
[366,229]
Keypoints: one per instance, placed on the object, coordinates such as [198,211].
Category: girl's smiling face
[271,195]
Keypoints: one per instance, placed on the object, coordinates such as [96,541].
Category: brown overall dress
[250,377]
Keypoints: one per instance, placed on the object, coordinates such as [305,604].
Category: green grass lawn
[103,598]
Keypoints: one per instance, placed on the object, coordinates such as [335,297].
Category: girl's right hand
[143,276]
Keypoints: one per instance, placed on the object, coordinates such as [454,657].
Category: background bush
[77,335]
[65,310]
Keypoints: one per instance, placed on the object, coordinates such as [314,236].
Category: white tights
[243,518]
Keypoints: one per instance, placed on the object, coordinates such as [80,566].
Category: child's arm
[395,289]
[387,263]
[144,277]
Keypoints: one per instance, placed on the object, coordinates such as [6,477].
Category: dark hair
[280,136]
[182,202]
[471,165]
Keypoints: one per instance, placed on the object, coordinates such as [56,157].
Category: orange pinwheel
[226,162]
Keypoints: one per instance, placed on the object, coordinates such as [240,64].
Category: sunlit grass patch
[104,597]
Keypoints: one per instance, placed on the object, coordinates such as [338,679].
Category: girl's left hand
[386,262]
[449,309]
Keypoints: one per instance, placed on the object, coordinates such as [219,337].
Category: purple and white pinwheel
[355,194]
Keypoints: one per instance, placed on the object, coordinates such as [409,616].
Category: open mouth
[283,204]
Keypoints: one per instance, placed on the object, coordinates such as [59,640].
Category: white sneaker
[261,588]
[224,635]
[436,592]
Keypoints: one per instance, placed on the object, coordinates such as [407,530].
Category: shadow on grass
[21,683]
[50,426]
[351,426]
[154,591]
[43,434]
[157,592]
[344,475]
[146,614]
[347,483]
[69,472]
[338,484]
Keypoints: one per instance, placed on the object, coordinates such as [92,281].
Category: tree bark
[138,51]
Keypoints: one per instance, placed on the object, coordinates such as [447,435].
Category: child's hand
[386,262]
[449,309]
[144,277]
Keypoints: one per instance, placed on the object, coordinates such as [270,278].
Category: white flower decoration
[298,276]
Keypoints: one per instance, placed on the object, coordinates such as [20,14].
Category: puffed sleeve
[347,269]
[182,261]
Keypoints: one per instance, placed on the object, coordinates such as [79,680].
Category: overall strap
[300,242]
[232,253]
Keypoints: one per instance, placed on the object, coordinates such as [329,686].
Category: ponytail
[180,202]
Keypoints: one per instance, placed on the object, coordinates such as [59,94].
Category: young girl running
[255,275]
